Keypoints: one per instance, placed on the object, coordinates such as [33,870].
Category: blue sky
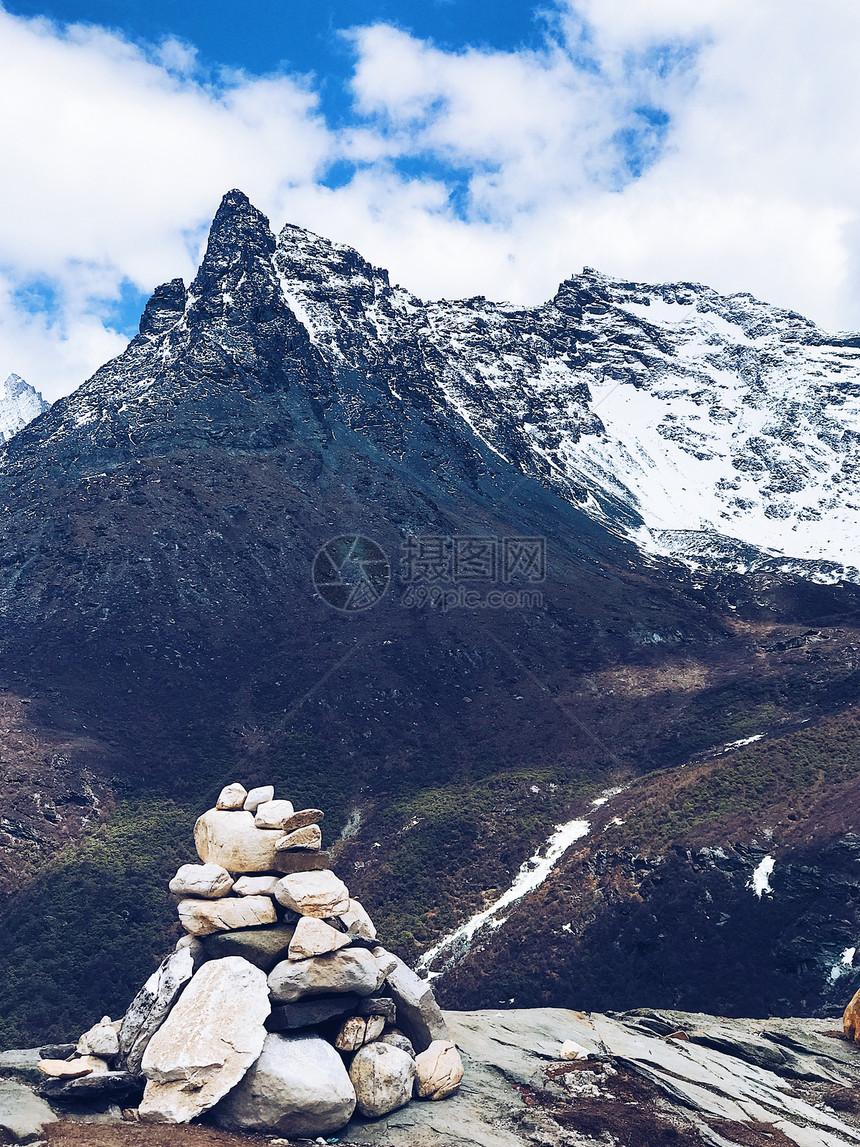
[470,147]
[300,35]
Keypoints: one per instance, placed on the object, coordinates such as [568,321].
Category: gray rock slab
[263,947]
[349,970]
[118,1085]
[298,1087]
[714,1083]
[418,1014]
[151,1006]
[57,1050]
[23,1115]
[307,1013]
[378,1006]
[288,861]
[21,1064]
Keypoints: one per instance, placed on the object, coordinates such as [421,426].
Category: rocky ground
[652,1078]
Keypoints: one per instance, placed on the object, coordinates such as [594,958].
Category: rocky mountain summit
[20,403]
[713,428]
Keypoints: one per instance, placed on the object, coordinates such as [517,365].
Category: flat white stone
[272,814]
[232,797]
[309,838]
[314,937]
[255,886]
[207,1043]
[257,796]
[319,894]
[232,840]
[203,917]
[209,881]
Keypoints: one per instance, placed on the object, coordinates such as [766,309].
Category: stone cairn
[278,1011]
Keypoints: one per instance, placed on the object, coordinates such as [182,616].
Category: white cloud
[741,117]
[114,164]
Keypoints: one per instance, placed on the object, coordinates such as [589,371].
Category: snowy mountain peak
[20,403]
[715,429]
[702,425]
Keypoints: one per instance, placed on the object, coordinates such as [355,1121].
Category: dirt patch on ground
[70,1133]
[631,1110]
[750,1134]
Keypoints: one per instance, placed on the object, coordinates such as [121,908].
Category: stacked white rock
[278,1010]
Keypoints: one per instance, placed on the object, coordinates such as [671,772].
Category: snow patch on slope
[533,872]
[759,882]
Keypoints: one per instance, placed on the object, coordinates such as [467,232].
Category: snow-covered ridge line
[722,430]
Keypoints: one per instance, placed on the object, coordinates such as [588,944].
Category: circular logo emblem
[351,573]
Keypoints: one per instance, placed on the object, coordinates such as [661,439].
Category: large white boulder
[207,1043]
[203,917]
[298,1087]
[438,1070]
[349,970]
[232,840]
[319,894]
[383,1077]
[210,881]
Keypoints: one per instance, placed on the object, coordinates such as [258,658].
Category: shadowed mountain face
[162,635]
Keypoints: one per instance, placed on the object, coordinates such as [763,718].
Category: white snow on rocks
[19,404]
[702,426]
[759,882]
[533,872]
